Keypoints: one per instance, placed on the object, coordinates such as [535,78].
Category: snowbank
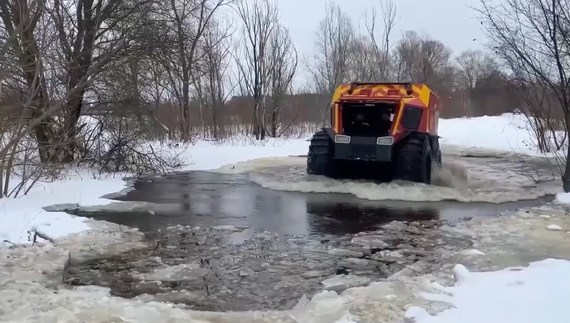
[507,132]
[20,215]
[538,293]
[209,155]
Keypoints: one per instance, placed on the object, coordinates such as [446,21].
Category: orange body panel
[420,96]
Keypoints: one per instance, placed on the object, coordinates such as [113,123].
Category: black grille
[363,151]
[412,117]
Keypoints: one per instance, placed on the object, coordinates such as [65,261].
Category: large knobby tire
[414,160]
[320,158]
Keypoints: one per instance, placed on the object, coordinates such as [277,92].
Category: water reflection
[209,199]
[342,218]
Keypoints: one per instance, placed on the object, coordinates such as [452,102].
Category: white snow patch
[507,132]
[563,198]
[209,155]
[554,227]
[20,215]
[538,293]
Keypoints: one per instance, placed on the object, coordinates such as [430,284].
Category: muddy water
[219,242]
[213,199]
[233,269]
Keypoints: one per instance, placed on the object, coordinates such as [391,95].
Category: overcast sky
[451,21]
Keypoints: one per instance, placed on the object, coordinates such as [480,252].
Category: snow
[538,293]
[507,132]
[21,215]
[563,198]
[18,216]
[554,227]
[209,155]
[30,276]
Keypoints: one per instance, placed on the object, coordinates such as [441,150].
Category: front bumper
[364,149]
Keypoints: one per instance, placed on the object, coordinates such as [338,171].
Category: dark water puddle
[211,199]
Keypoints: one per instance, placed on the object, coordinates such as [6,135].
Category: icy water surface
[220,241]
[212,199]
[231,269]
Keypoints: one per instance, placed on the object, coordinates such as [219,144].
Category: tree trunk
[566,176]
[68,139]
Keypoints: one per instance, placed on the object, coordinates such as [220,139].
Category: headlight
[342,139]
[385,141]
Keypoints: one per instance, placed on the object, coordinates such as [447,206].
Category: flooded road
[220,241]
[213,199]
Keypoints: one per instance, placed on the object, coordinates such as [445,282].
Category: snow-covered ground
[537,290]
[537,293]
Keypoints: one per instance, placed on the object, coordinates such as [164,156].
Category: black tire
[320,158]
[414,160]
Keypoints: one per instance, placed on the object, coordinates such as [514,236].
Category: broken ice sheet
[182,272]
[324,307]
[342,282]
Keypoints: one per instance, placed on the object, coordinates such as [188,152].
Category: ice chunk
[554,227]
[369,241]
[183,272]
[324,307]
[226,228]
[345,252]
[473,252]
[460,274]
[341,282]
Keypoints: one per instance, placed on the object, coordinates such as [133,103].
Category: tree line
[148,70]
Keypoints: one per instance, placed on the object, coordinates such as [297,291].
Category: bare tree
[422,59]
[381,49]
[473,66]
[330,65]
[283,62]
[532,38]
[260,21]
[212,86]
[190,22]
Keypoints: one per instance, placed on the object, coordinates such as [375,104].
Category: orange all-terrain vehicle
[389,126]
